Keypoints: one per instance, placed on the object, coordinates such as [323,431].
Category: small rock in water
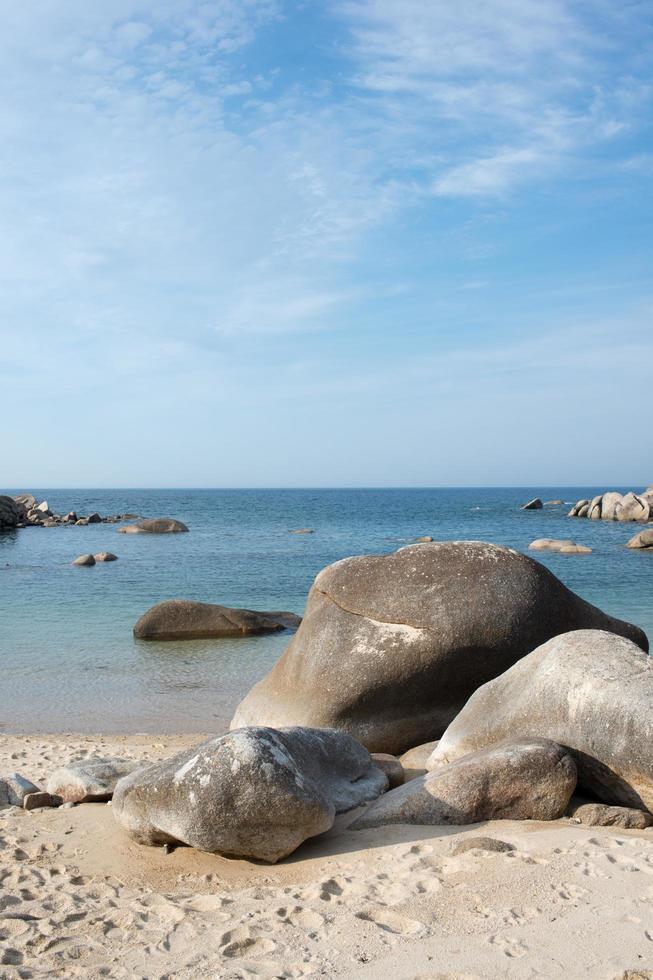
[425,539]
[92,780]
[105,556]
[535,504]
[84,560]
[154,525]
[94,519]
[301,530]
[14,788]
[642,540]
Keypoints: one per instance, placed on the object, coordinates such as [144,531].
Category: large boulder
[595,509]
[530,779]
[589,690]
[643,539]
[562,545]
[181,619]
[253,793]
[392,646]
[154,525]
[633,508]
[601,815]
[611,503]
[10,512]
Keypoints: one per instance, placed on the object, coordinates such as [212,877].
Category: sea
[70,662]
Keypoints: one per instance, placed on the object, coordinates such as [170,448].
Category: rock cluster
[25,511]
[392,646]
[562,546]
[181,619]
[613,506]
[254,793]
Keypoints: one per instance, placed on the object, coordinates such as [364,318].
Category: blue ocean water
[70,662]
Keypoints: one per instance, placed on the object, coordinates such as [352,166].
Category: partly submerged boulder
[392,646]
[535,504]
[154,525]
[10,512]
[644,539]
[84,560]
[90,780]
[105,556]
[528,779]
[181,619]
[562,545]
[253,793]
[589,690]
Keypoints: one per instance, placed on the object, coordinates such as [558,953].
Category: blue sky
[347,242]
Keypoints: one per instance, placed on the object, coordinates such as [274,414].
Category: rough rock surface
[14,788]
[481,844]
[154,525]
[642,540]
[613,506]
[392,646]
[535,504]
[562,545]
[391,766]
[181,619]
[90,780]
[10,512]
[633,508]
[602,815]
[254,793]
[105,556]
[416,757]
[528,779]
[589,690]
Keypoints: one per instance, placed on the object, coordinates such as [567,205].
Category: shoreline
[82,899]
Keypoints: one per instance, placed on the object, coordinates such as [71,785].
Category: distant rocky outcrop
[535,504]
[614,506]
[527,779]
[392,646]
[588,690]
[562,546]
[25,511]
[154,525]
[254,793]
[181,619]
[10,513]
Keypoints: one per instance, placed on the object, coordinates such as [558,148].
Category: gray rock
[14,788]
[527,779]
[181,619]
[26,500]
[391,766]
[91,779]
[10,512]
[392,646]
[94,519]
[82,522]
[415,759]
[589,690]
[583,510]
[535,504]
[574,512]
[481,844]
[154,525]
[43,508]
[643,539]
[612,501]
[84,560]
[35,801]
[254,793]
[595,508]
[602,815]
[105,556]
[633,508]
[549,544]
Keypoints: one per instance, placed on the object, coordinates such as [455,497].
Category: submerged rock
[644,539]
[535,504]
[392,646]
[84,560]
[90,780]
[105,556]
[181,619]
[527,779]
[253,793]
[589,690]
[154,525]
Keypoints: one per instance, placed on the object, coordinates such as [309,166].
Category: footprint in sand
[301,917]
[391,921]
[240,942]
[568,891]
[513,948]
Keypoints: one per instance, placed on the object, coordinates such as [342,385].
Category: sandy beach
[79,898]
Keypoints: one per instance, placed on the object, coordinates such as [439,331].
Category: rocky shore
[25,511]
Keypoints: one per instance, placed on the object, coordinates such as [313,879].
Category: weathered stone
[535,504]
[574,549]
[425,539]
[105,556]
[602,815]
[583,510]
[70,517]
[643,539]
[392,646]
[94,519]
[302,530]
[595,508]
[82,522]
[527,779]
[154,525]
[90,780]
[574,512]
[34,801]
[26,500]
[481,844]
[181,619]
[254,793]
[84,560]
[14,788]
[43,507]
[549,544]
[633,508]
[415,758]
[589,690]
[10,512]
[391,766]
[612,501]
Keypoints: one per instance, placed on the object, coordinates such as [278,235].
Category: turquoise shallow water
[70,662]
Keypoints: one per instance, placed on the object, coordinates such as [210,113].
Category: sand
[78,898]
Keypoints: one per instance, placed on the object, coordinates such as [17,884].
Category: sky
[326,243]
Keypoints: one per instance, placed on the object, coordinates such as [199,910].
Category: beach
[79,898]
